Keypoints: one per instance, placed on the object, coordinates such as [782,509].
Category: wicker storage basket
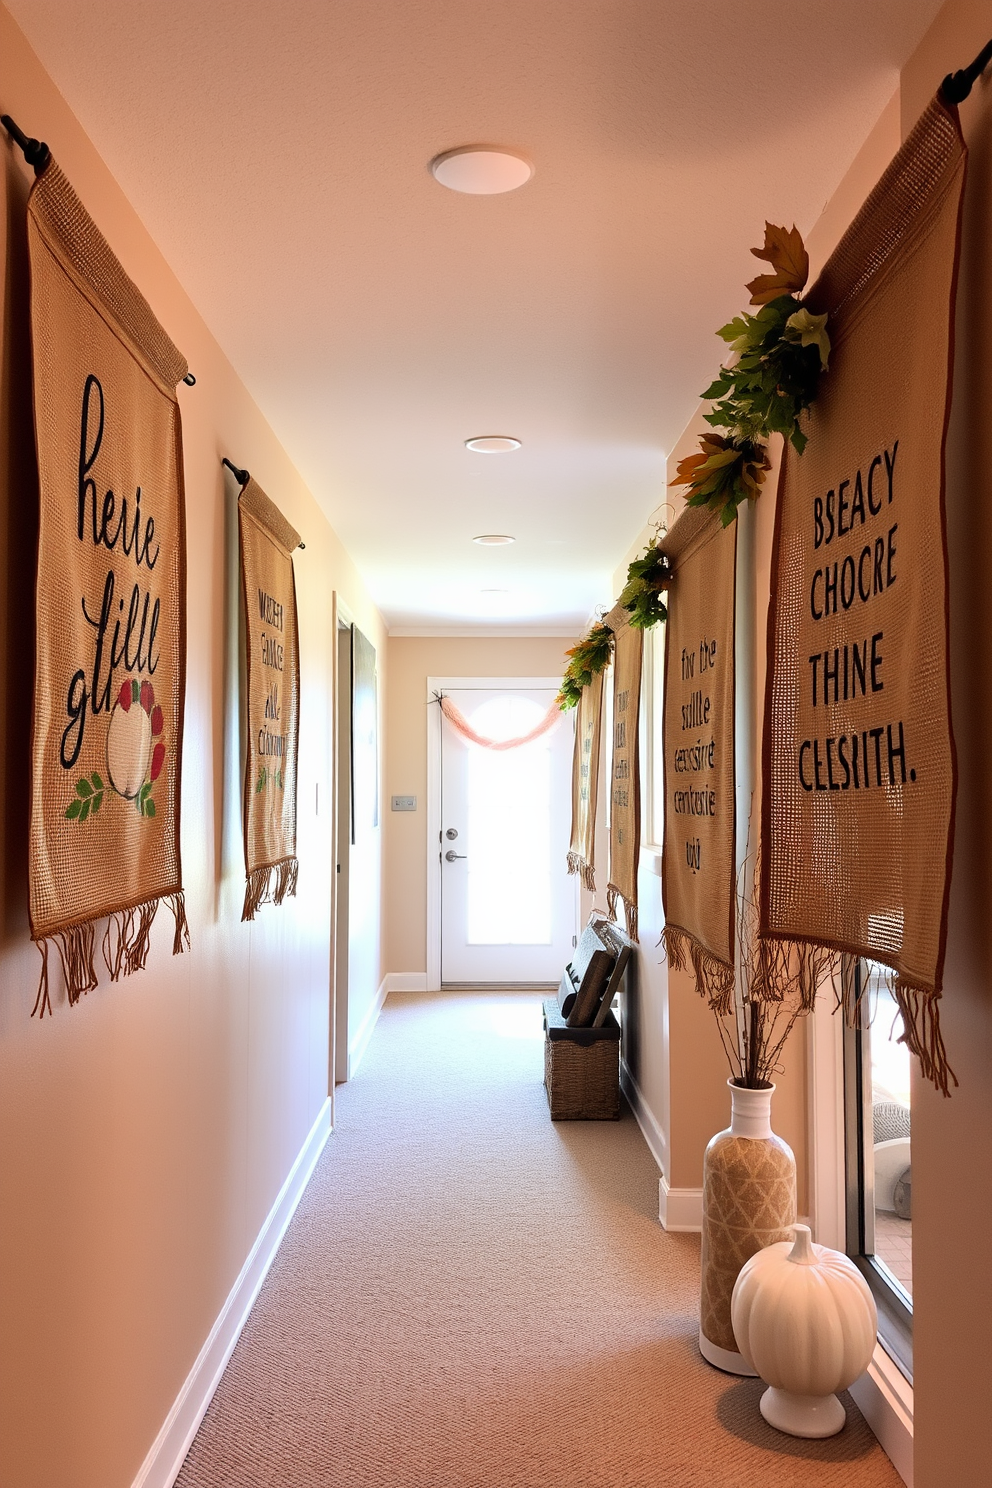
[581,1068]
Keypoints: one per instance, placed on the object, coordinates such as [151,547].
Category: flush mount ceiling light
[492,444]
[493,539]
[481,170]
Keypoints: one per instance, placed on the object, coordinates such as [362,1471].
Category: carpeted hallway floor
[470,1296]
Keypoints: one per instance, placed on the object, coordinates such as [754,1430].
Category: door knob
[451,855]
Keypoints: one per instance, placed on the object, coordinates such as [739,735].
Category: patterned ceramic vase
[749,1201]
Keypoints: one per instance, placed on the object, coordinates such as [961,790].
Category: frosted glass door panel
[508,907]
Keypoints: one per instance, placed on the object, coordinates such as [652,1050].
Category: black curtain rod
[957,85]
[37,154]
[243,476]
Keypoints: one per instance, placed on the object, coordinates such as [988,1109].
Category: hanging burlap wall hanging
[625,791]
[585,782]
[698,859]
[273,692]
[111,602]
[859,772]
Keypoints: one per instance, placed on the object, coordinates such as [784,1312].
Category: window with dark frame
[878,1159]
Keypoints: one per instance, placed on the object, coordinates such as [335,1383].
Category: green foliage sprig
[587,660]
[781,352]
[647,581]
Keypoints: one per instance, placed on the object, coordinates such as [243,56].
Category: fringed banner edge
[577,864]
[269,885]
[125,946]
[614,896]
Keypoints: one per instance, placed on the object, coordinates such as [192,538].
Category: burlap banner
[698,879]
[110,662]
[273,685]
[859,772]
[585,781]
[625,794]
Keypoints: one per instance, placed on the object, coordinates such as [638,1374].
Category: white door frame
[341,620]
[443,684]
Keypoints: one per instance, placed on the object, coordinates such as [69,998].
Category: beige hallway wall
[145,1133]
[412,659]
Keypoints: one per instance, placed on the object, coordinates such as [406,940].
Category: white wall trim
[168,1451]
[884,1397]
[680,1209]
[651,1128]
[438,684]
[359,1042]
[406,981]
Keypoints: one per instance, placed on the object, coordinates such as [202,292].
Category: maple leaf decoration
[785,252]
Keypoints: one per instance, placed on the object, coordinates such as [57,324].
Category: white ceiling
[278,154]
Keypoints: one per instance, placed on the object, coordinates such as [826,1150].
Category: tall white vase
[749,1202]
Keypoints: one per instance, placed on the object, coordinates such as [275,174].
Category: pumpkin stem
[802,1252]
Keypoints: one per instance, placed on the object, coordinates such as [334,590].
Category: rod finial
[36,152]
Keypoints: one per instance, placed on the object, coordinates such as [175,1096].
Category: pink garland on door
[461,724]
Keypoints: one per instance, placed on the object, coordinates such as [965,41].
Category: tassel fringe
[714,979]
[75,947]
[125,946]
[920,1008]
[613,898]
[269,886]
[578,864]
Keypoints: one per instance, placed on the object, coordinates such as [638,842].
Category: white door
[508,906]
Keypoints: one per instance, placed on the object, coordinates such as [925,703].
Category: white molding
[680,1209]
[359,1042]
[492,632]
[406,981]
[651,1128]
[168,1451]
[438,684]
[884,1397]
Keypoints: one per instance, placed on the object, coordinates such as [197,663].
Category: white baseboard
[651,1129]
[680,1209]
[884,1397]
[406,981]
[168,1451]
[363,1033]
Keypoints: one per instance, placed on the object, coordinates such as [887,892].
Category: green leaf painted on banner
[72,810]
[83,788]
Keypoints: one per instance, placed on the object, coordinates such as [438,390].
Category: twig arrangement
[777,984]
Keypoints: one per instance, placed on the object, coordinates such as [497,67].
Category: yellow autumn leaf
[784,250]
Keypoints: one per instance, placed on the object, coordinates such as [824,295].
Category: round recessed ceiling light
[481,170]
[495,591]
[492,444]
[493,539]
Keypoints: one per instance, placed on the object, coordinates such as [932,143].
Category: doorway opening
[502,909]
[342,840]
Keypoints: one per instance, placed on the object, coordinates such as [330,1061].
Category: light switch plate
[404,803]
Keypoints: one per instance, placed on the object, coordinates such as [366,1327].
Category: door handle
[451,855]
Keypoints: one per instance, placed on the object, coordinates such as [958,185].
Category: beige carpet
[472,1297]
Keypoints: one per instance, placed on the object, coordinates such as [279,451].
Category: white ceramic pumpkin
[805,1319]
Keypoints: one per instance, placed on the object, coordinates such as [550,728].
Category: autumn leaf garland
[781,352]
[586,660]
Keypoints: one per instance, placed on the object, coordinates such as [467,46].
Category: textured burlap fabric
[585,781]
[698,857]
[625,795]
[111,602]
[273,699]
[859,774]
